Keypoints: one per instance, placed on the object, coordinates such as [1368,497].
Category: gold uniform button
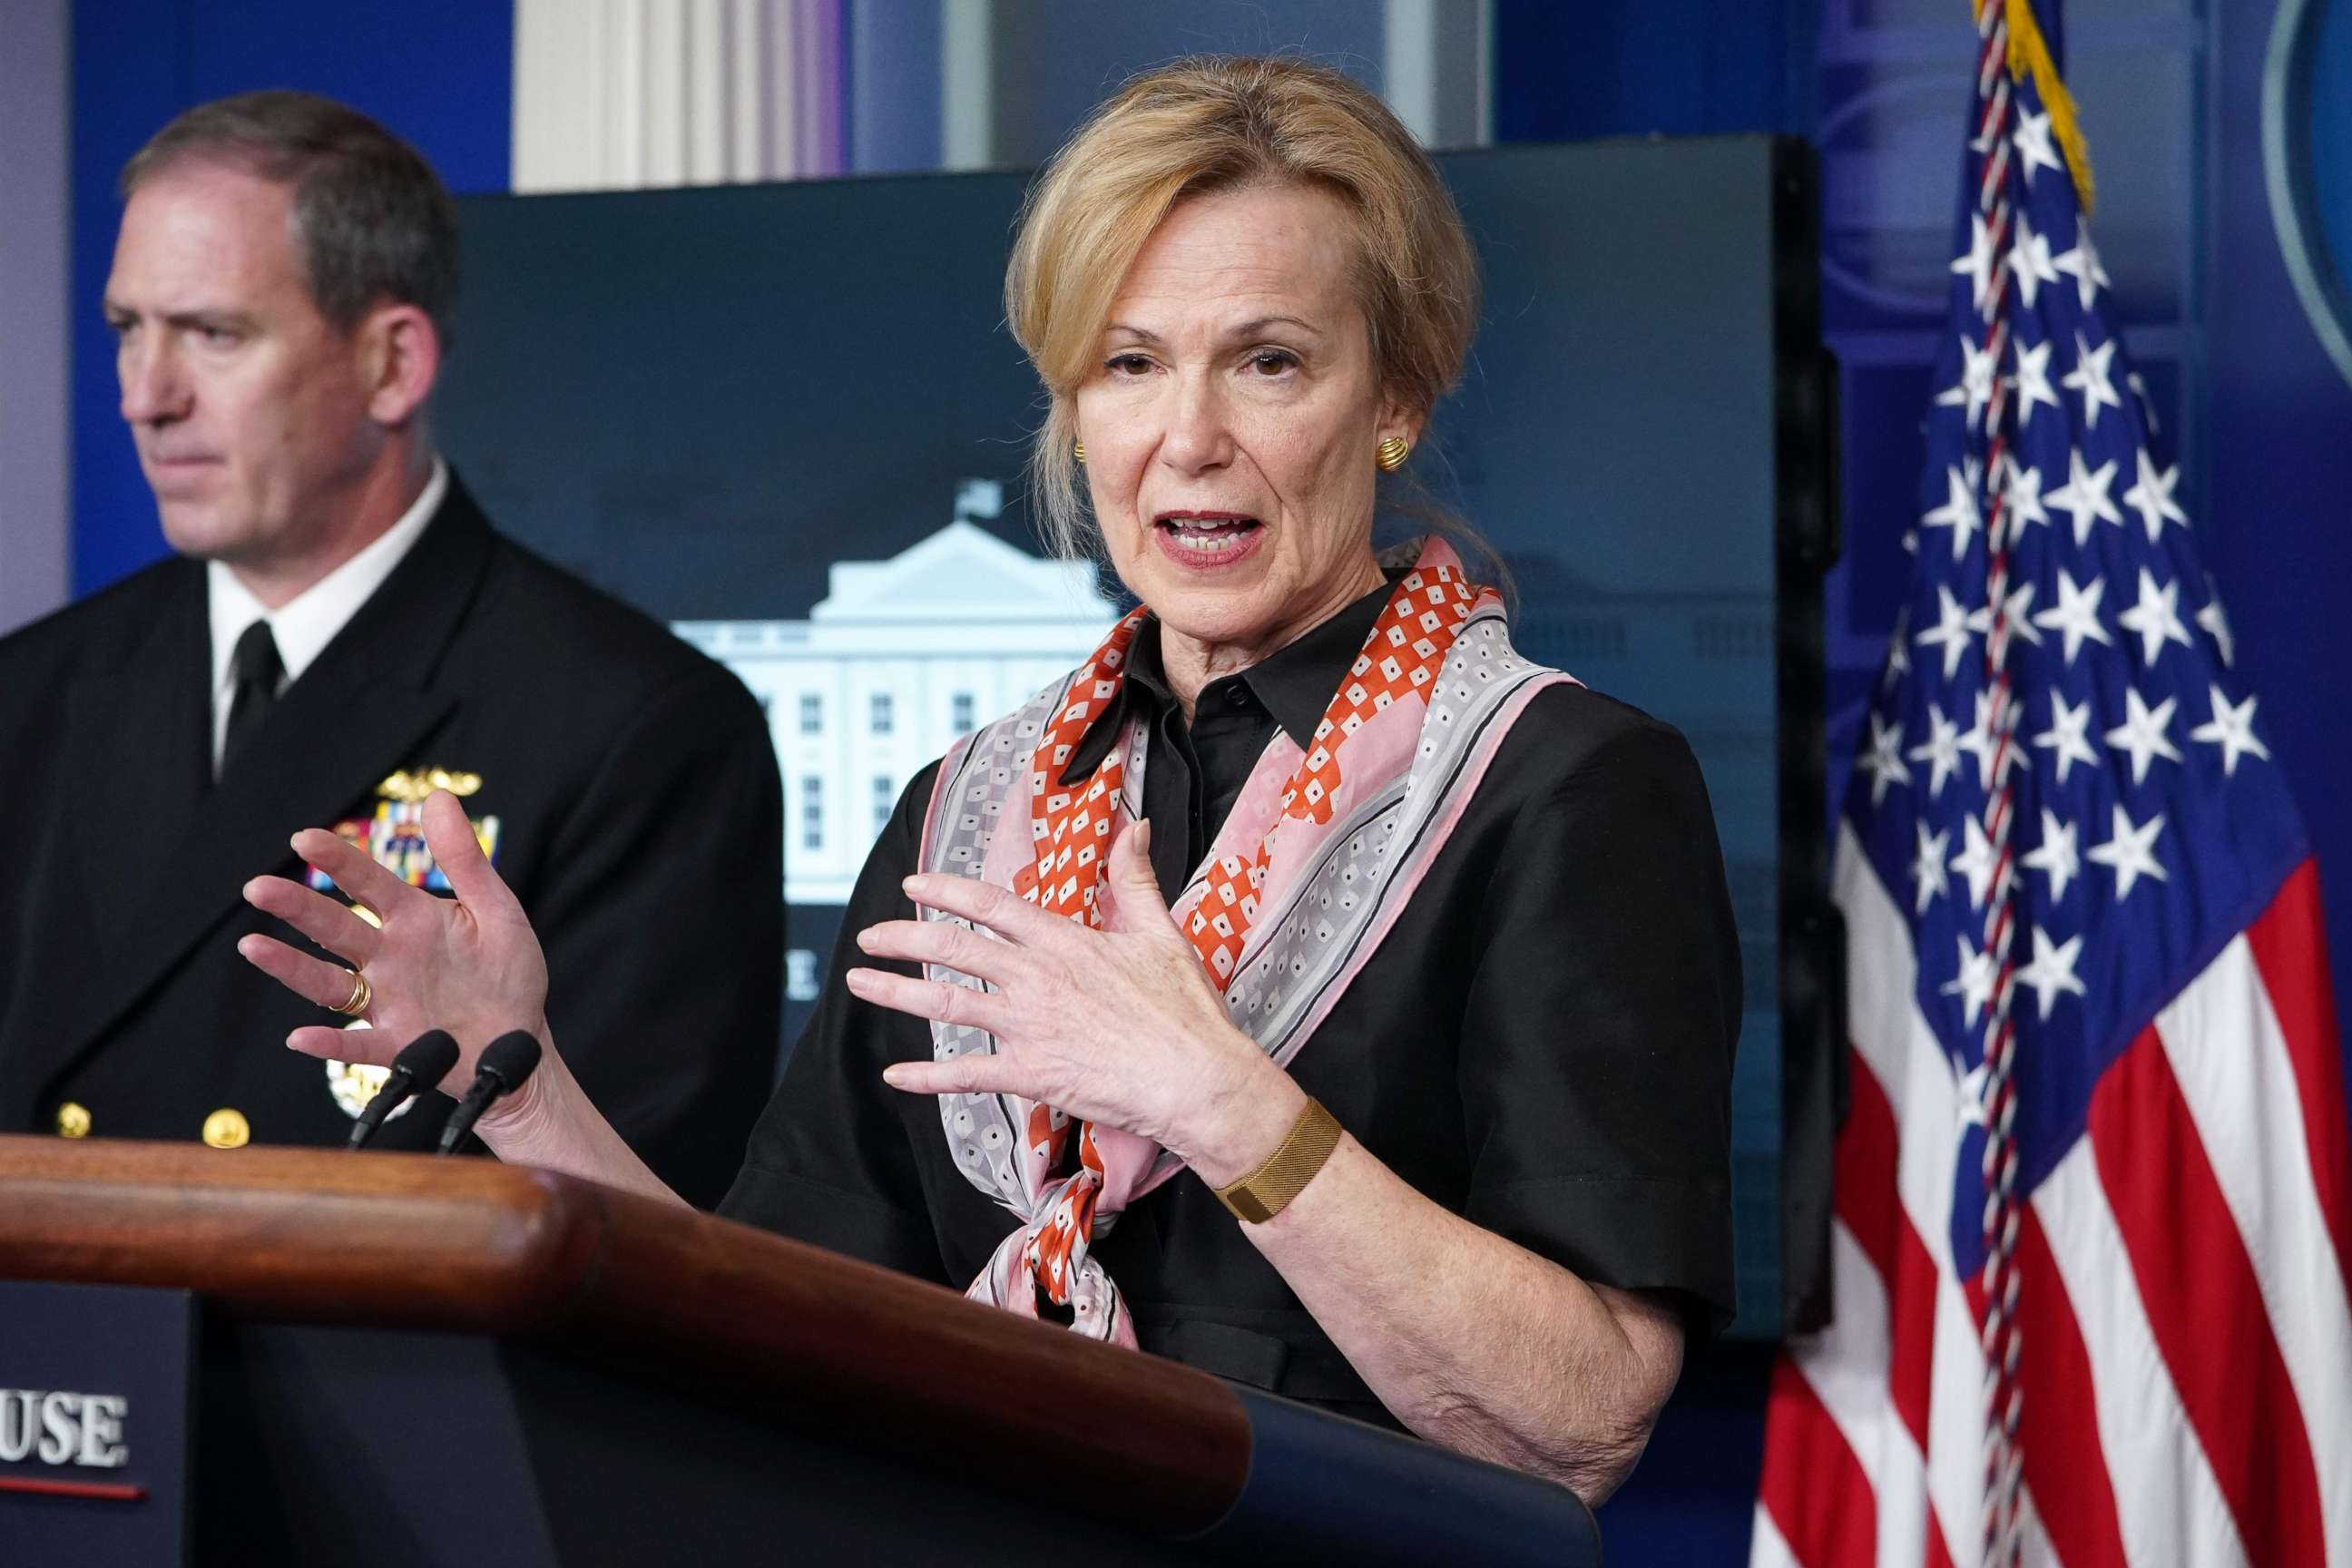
[73,1120]
[227,1130]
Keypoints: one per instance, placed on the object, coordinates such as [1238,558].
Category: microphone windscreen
[511,1055]
[428,1059]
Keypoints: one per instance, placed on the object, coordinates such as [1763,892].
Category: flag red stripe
[1812,1485]
[2065,1467]
[1864,1181]
[1911,1332]
[1938,1554]
[1869,1203]
[2205,1305]
[2290,947]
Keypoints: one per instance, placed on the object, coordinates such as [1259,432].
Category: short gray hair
[373,219]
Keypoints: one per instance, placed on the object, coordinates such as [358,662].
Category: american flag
[2090,1243]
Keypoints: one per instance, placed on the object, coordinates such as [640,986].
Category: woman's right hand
[470,964]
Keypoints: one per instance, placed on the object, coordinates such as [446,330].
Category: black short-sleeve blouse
[1543,1044]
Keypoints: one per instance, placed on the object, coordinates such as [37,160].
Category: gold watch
[1267,1190]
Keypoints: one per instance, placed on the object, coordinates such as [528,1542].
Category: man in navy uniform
[340,633]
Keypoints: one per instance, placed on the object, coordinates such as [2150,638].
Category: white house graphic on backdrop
[897,660]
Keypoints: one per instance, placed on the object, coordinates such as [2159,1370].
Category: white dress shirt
[306,624]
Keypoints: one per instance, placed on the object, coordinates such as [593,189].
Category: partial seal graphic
[2307,162]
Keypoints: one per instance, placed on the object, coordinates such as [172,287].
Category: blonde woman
[1309,987]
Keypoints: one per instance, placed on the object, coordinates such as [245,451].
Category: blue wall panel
[128,77]
[1670,67]
[439,73]
[2330,131]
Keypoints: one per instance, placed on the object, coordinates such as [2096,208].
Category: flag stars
[2016,614]
[1975,1094]
[1883,762]
[2029,262]
[1974,983]
[2084,496]
[1958,511]
[2157,617]
[2052,973]
[2091,378]
[1977,265]
[2075,616]
[1953,628]
[2021,498]
[2152,497]
[1974,389]
[2068,735]
[1928,877]
[2131,853]
[1898,649]
[2008,892]
[2142,735]
[1978,863]
[2082,264]
[2032,140]
[1940,750]
[2032,383]
[2056,857]
[2216,621]
[1995,756]
[2232,729]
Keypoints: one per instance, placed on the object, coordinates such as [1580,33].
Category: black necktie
[257,671]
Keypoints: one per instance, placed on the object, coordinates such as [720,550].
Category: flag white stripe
[2169,1505]
[1766,1548]
[1892,1037]
[1846,1362]
[2223,1040]
[2034,1541]
[1847,1365]
[1956,1426]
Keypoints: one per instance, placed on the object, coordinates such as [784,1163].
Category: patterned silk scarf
[1316,857]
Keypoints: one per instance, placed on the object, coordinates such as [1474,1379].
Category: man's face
[249,410]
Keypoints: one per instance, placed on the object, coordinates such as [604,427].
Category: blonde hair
[1209,125]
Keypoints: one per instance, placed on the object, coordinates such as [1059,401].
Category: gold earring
[1391,454]
[1078,451]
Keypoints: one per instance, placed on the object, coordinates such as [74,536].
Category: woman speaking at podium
[1308,986]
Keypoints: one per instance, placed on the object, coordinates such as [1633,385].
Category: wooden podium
[404,1360]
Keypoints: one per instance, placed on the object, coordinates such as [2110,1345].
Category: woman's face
[1230,422]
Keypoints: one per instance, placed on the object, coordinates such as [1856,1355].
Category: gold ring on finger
[361,997]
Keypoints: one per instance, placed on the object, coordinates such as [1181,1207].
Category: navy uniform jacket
[640,822]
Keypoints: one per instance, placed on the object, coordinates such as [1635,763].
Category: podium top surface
[475,1247]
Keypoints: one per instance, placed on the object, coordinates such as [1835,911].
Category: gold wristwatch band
[1266,1191]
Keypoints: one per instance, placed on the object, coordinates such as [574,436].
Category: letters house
[898,658]
[61,1428]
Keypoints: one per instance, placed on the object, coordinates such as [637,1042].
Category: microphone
[421,1063]
[505,1063]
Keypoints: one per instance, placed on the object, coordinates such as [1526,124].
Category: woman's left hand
[1118,1026]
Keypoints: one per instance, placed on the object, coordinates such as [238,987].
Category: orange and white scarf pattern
[1315,860]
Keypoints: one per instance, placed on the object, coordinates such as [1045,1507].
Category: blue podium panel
[371,1448]
[95,1390]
